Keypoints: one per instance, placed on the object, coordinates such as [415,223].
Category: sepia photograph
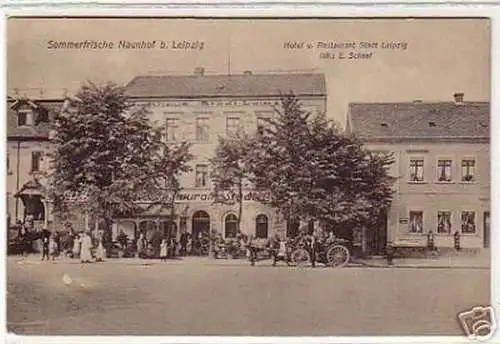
[248,177]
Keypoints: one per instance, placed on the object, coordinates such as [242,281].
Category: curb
[423,266]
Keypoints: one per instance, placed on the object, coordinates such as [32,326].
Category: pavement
[204,296]
[454,262]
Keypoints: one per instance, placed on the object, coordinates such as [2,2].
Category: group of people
[76,245]
[159,245]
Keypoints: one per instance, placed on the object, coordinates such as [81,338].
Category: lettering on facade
[251,196]
[209,103]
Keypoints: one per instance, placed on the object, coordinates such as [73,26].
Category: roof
[419,120]
[195,86]
[38,131]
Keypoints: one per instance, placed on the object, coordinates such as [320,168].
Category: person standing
[85,252]
[45,236]
[183,242]
[100,253]
[53,251]
[76,245]
[163,250]
[140,245]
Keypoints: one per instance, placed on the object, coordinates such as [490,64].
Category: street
[209,297]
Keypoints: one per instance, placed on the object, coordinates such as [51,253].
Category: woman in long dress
[86,254]
[53,251]
[76,246]
[100,253]
[163,250]
[140,245]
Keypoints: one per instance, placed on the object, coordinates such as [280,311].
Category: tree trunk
[240,200]
[172,216]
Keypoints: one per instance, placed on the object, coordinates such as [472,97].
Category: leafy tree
[228,169]
[162,184]
[315,172]
[103,148]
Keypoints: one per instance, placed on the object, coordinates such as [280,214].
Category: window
[416,222]
[261,227]
[201,175]
[232,125]
[170,129]
[444,222]
[416,170]
[22,118]
[468,222]
[36,158]
[468,170]
[7,157]
[202,129]
[262,124]
[444,170]
[231,226]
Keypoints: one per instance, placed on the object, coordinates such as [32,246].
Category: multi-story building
[442,166]
[28,129]
[199,108]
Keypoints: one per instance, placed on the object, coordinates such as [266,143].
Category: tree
[169,162]
[315,172]
[228,169]
[103,147]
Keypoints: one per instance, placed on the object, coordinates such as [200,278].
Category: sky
[442,56]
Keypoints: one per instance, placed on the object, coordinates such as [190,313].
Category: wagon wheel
[337,256]
[300,257]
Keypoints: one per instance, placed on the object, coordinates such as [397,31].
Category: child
[163,250]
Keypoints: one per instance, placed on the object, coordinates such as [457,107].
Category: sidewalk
[475,262]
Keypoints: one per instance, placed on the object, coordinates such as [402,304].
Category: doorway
[486,230]
[201,223]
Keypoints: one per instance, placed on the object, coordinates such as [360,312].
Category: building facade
[27,162]
[442,169]
[199,109]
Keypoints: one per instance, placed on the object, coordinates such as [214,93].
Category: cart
[330,253]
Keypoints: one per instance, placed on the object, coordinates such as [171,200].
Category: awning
[31,188]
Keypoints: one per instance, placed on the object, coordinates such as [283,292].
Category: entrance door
[201,223]
[486,229]
[376,237]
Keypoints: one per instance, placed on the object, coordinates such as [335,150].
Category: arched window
[231,226]
[201,223]
[261,227]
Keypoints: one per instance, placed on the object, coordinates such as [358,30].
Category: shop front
[198,214]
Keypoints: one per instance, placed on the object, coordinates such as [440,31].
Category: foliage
[314,172]
[105,153]
[228,169]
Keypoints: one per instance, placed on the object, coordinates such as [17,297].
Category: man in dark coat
[183,242]
[45,236]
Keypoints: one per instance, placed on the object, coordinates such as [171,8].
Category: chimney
[247,72]
[199,71]
[459,98]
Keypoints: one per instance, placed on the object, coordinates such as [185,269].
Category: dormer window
[24,117]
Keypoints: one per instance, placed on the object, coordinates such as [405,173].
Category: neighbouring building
[28,130]
[200,108]
[442,166]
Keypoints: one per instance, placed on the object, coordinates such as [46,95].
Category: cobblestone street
[208,297]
